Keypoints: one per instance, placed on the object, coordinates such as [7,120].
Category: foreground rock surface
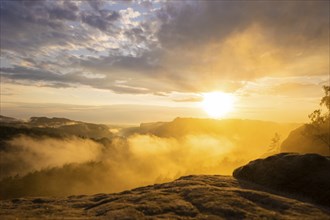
[305,175]
[190,197]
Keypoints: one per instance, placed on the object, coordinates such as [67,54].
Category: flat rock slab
[190,197]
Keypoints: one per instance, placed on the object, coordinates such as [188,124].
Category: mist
[25,153]
[35,162]
[51,166]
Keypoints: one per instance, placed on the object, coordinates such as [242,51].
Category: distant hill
[252,135]
[4,119]
[298,142]
[55,127]
[189,126]
[51,122]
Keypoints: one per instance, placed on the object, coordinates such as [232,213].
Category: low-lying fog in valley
[43,158]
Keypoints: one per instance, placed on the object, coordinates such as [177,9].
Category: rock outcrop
[306,175]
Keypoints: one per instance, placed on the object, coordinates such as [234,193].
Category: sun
[217,104]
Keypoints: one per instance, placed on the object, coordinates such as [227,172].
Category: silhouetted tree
[275,143]
[319,125]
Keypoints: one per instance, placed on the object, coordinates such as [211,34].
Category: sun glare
[217,104]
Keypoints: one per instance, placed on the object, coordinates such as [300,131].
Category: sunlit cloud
[153,48]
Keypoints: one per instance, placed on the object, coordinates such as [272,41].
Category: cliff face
[190,197]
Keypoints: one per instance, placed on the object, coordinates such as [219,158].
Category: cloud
[190,99]
[96,4]
[310,86]
[66,11]
[212,41]
[103,20]
[186,46]
[40,77]
[54,42]
[34,24]
[204,21]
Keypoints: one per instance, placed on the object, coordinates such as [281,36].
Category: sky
[140,61]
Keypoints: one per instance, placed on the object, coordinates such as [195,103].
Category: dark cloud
[26,27]
[30,25]
[68,12]
[101,21]
[25,75]
[137,35]
[96,4]
[202,21]
[95,21]
[137,62]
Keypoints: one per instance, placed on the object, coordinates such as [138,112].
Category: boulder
[306,175]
